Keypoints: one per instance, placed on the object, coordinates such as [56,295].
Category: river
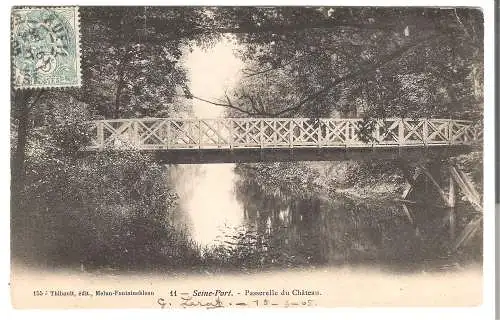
[239,221]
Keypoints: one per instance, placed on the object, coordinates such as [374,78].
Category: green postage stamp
[45,47]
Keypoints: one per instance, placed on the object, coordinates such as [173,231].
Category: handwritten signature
[188,302]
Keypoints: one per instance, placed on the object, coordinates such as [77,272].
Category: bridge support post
[449,199]
[100,135]
[135,139]
[411,219]
[458,177]
[465,184]
[451,220]
[451,192]
[467,187]
[467,233]
[410,182]
[458,180]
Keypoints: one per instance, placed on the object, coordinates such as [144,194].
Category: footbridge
[182,140]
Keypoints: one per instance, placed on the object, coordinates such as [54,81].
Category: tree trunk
[21,112]
[120,84]
[119,89]
[19,158]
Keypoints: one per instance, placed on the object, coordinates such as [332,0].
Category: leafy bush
[107,208]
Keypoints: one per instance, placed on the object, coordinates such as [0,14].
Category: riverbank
[356,180]
[328,180]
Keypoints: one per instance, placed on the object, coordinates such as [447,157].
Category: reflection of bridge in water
[283,139]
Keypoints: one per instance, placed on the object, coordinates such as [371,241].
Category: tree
[378,61]
[67,204]
[131,70]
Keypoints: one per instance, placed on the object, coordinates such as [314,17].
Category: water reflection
[242,222]
[208,202]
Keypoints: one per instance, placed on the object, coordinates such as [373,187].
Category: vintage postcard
[197,157]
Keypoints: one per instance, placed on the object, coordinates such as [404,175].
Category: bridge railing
[227,133]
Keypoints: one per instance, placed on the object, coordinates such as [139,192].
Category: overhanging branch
[229,104]
[361,71]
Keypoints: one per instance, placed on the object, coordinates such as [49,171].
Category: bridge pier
[450,219]
[411,219]
[455,177]
[457,180]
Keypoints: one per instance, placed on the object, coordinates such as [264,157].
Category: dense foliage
[361,61]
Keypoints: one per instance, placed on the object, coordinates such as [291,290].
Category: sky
[211,72]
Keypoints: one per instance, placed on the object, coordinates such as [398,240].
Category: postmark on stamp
[45,47]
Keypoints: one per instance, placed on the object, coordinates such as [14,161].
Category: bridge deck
[260,139]
[191,156]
